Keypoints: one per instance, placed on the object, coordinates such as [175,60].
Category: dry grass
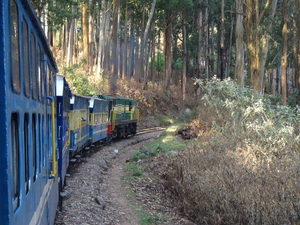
[221,180]
[233,187]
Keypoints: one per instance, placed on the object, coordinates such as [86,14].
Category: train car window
[26,59]
[34,146]
[43,141]
[130,106]
[14,47]
[49,79]
[40,142]
[26,152]
[39,73]
[53,77]
[15,160]
[33,67]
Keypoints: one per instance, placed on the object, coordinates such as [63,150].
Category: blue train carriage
[78,123]
[123,117]
[28,184]
[63,96]
[98,120]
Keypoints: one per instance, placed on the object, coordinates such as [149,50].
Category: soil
[96,193]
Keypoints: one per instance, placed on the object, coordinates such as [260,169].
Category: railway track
[149,130]
[98,173]
[91,149]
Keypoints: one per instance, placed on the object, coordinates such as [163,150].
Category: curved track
[149,130]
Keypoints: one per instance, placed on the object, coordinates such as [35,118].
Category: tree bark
[101,35]
[115,23]
[71,41]
[284,54]
[168,51]
[258,40]
[184,59]
[85,30]
[125,49]
[199,50]
[222,51]
[239,45]
[144,42]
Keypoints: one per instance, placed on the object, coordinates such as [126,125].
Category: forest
[170,42]
[240,57]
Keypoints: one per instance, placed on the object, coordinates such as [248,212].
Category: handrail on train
[54,162]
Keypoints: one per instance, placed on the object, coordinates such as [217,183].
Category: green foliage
[186,117]
[164,120]
[134,170]
[167,141]
[138,156]
[147,219]
[77,79]
[58,11]
[159,62]
[267,128]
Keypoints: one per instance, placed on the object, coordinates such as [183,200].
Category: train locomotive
[43,123]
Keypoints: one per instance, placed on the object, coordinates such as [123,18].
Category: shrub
[247,170]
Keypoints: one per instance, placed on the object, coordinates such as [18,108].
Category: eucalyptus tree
[258,19]
[185,10]
[144,39]
[239,44]
[171,8]
[295,16]
[284,53]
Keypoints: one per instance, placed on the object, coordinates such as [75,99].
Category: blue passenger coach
[98,119]
[29,183]
[63,96]
[78,123]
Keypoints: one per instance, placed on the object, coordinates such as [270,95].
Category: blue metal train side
[98,119]
[64,95]
[78,123]
[28,195]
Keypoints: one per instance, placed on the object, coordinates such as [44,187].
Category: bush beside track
[243,167]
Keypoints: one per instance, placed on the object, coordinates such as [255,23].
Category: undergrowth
[245,169]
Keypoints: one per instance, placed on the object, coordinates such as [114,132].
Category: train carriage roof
[116,97]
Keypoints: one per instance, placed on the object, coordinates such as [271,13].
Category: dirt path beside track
[95,191]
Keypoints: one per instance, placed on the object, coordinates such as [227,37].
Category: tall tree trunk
[207,42]
[65,39]
[211,63]
[296,44]
[199,50]
[184,59]
[101,35]
[131,57]
[229,53]
[239,45]
[284,54]
[222,51]
[125,49]
[273,82]
[141,67]
[153,59]
[71,40]
[258,40]
[91,39]
[168,51]
[85,30]
[265,45]
[106,38]
[115,24]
